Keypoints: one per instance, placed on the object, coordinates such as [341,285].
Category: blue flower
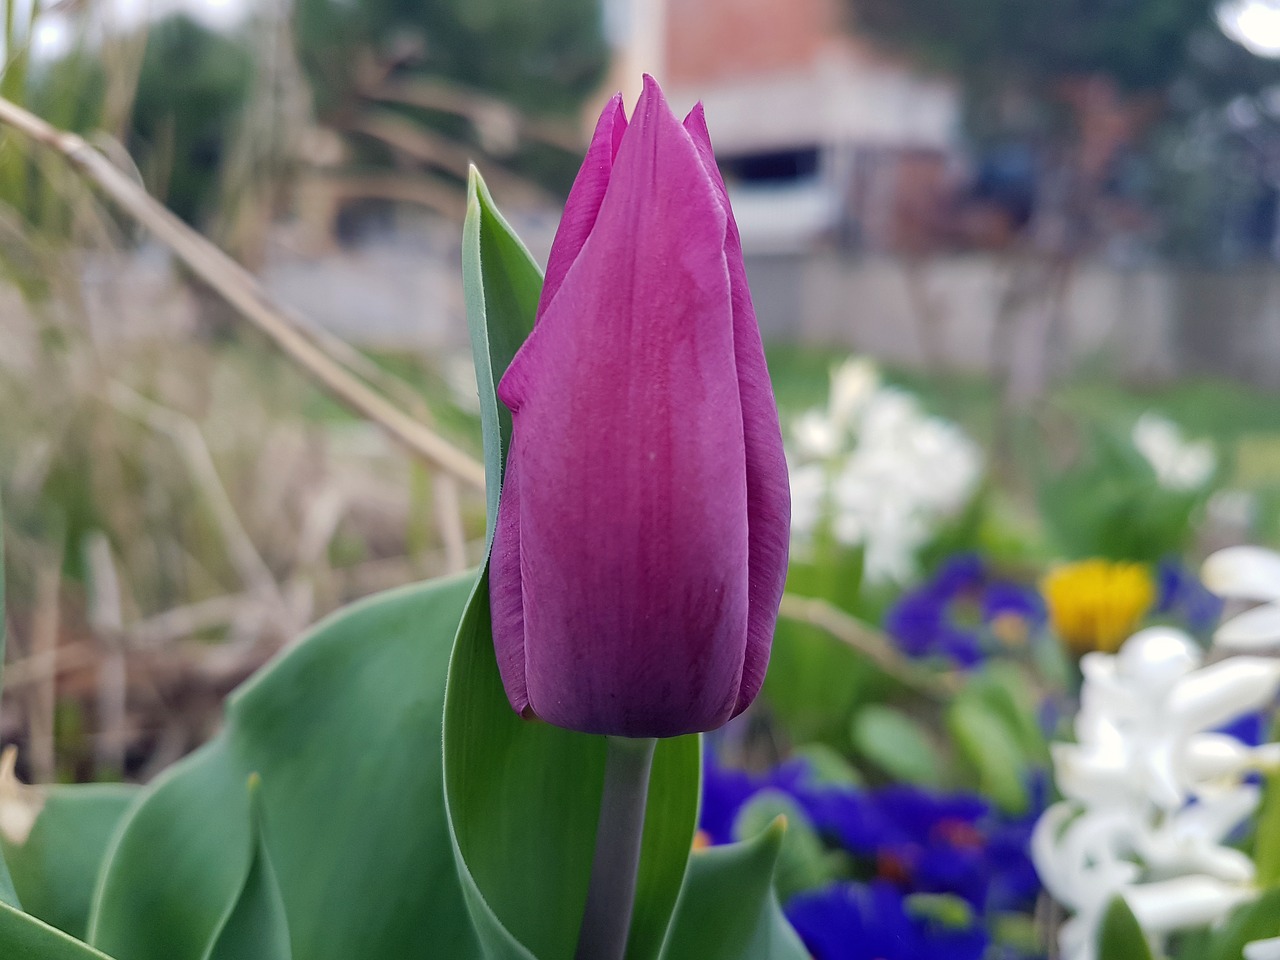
[853,921]
[725,790]
[931,843]
[961,610]
[1182,595]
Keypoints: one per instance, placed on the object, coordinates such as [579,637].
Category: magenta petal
[506,600]
[768,490]
[633,485]
[585,196]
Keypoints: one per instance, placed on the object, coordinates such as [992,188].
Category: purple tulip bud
[641,542]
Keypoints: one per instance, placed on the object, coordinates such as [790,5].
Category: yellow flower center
[1097,604]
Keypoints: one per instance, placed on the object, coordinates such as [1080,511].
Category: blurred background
[1050,228]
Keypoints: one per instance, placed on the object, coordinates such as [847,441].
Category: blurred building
[823,138]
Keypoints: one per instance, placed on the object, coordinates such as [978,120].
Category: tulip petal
[585,196]
[506,599]
[768,490]
[631,458]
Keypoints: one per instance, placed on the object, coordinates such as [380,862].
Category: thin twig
[867,641]
[243,291]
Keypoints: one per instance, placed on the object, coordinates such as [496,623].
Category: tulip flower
[641,541]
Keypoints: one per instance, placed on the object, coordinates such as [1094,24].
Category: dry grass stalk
[243,291]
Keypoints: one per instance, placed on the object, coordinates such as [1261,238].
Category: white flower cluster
[879,470]
[1151,791]
[1179,464]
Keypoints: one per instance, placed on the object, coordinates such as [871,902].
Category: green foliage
[543,55]
[55,866]
[255,927]
[1141,43]
[803,863]
[898,744]
[991,741]
[1108,503]
[815,683]
[191,91]
[727,908]
[1120,937]
[23,937]
[1259,920]
[502,284]
[345,730]
[1266,838]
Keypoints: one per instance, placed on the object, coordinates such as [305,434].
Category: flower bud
[641,542]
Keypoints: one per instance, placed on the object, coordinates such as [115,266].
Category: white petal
[1184,902]
[1157,656]
[1251,573]
[1222,691]
[1256,629]
[1208,756]
[1263,949]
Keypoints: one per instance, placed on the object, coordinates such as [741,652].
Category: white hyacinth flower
[1152,791]
[1247,573]
[1179,464]
[879,470]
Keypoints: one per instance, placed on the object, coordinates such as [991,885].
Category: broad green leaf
[727,908]
[255,927]
[23,937]
[1259,920]
[991,747]
[502,284]
[54,839]
[898,745]
[345,730]
[1120,937]
[523,799]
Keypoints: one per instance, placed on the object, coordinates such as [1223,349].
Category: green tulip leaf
[523,798]
[1120,936]
[255,928]
[502,284]
[898,745]
[54,839]
[345,729]
[23,937]
[728,909]
[1259,920]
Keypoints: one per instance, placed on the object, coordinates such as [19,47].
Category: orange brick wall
[713,40]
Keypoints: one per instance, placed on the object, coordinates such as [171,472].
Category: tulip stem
[612,891]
